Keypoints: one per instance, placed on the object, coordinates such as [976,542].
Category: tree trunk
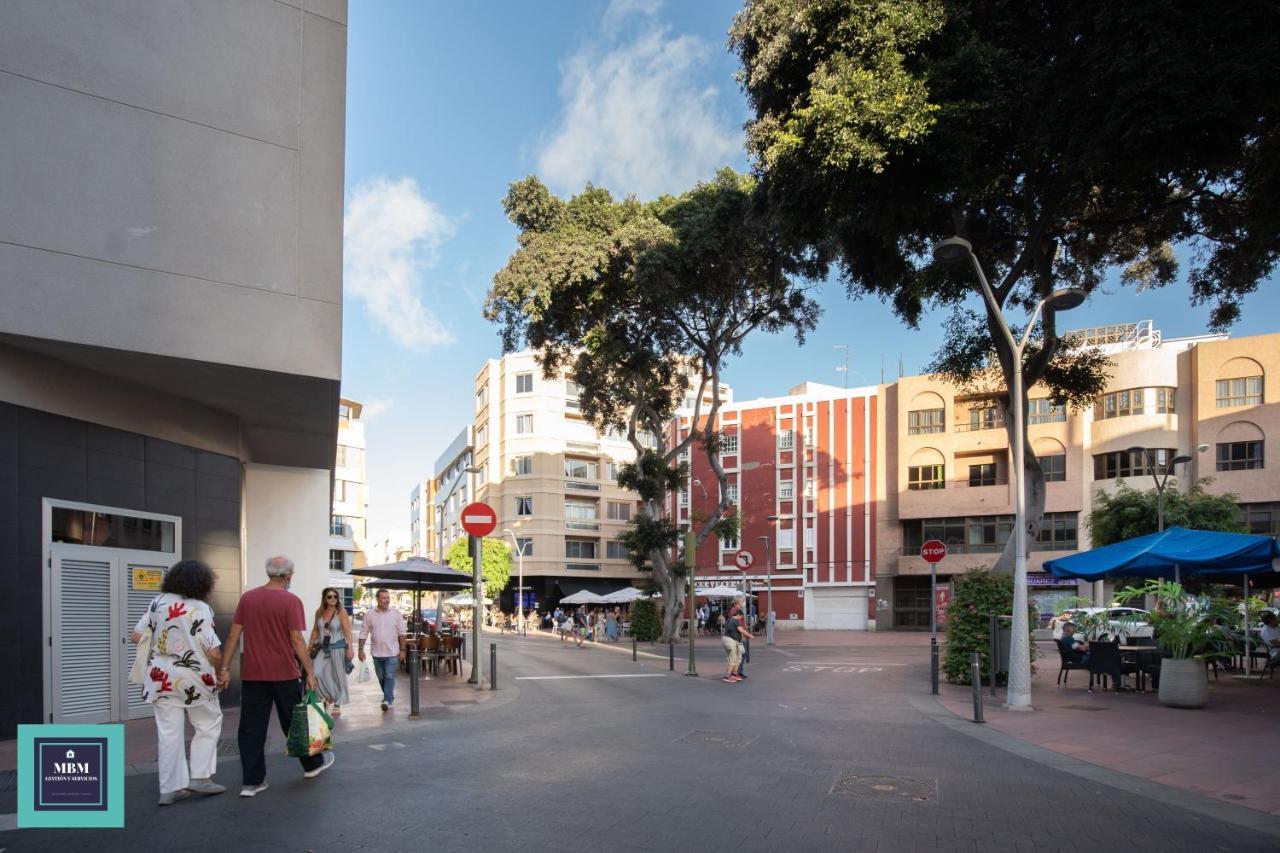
[1033,478]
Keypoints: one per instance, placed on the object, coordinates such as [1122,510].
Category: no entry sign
[933,551]
[743,559]
[479,519]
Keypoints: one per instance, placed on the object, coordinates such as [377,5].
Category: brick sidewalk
[1226,750]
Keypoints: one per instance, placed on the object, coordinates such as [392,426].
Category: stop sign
[743,559]
[933,551]
[479,519]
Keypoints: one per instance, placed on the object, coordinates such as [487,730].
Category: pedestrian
[271,620]
[181,663]
[579,624]
[384,627]
[732,648]
[611,626]
[331,650]
[744,636]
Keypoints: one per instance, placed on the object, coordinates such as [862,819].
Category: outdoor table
[1135,651]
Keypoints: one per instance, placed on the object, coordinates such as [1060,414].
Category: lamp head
[953,250]
[1180,460]
[1065,299]
[1204,448]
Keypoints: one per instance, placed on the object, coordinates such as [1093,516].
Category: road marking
[567,677]
[785,652]
[380,747]
[846,663]
[840,668]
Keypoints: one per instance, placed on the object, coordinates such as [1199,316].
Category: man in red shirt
[272,620]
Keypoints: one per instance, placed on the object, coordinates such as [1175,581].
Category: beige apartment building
[348,523]
[947,457]
[551,478]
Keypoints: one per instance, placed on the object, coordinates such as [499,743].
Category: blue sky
[447,103]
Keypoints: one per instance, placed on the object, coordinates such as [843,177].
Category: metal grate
[888,788]
[730,739]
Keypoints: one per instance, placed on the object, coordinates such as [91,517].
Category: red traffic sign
[743,559]
[479,519]
[933,551]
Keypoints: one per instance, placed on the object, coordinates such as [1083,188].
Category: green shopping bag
[311,729]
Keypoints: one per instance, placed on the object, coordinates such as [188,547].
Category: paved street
[584,748]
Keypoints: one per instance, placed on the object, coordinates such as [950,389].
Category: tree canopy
[495,563]
[1129,512]
[1064,140]
[638,303]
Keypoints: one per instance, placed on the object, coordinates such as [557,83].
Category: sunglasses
[332,597]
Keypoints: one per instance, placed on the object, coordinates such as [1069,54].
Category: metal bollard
[671,654]
[493,666]
[414,659]
[993,660]
[933,664]
[975,673]
[633,646]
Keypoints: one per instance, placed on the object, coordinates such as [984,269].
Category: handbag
[142,662]
[365,675]
[311,729]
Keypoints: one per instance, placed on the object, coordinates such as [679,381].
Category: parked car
[429,615]
[1126,623]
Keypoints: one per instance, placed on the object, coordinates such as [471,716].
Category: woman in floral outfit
[181,680]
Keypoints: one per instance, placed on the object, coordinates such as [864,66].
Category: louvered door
[134,605]
[84,640]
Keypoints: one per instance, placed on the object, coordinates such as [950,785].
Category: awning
[600,587]
[1173,553]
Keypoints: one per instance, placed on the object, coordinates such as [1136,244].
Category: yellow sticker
[147,579]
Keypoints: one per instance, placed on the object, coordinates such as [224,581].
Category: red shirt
[266,617]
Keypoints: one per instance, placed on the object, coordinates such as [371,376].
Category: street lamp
[477,584]
[955,250]
[1157,471]
[519,578]
[768,574]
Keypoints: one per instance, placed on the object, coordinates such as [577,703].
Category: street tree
[640,303]
[1066,141]
[495,563]
[1130,512]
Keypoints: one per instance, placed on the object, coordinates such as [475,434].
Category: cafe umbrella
[417,574]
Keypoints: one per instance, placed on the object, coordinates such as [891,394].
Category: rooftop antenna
[845,367]
[900,371]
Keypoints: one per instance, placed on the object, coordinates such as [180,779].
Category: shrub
[975,596]
[645,624]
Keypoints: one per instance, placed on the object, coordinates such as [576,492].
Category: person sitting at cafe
[1271,635]
[1076,649]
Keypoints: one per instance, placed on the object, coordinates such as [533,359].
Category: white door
[83,640]
[840,608]
[133,603]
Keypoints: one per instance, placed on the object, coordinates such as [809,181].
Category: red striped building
[809,459]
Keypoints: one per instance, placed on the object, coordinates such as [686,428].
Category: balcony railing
[582,525]
[975,426]
[582,567]
[343,530]
[580,486]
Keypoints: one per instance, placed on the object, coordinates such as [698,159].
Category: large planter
[1183,683]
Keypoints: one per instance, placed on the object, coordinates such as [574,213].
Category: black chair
[1149,664]
[1106,662]
[1067,665]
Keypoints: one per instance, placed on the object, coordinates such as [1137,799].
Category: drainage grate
[887,788]
[729,739]
[1086,708]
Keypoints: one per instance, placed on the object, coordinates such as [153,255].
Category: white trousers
[171,720]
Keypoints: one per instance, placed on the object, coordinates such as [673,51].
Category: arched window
[1241,384]
[928,414]
[926,469]
[1240,447]
[1053,459]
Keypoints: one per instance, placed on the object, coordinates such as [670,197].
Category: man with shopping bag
[271,620]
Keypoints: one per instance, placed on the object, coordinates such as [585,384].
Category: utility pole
[845,367]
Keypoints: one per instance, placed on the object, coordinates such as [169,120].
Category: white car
[1124,622]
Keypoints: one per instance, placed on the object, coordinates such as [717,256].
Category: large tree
[639,303]
[495,563]
[1064,140]
[1128,512]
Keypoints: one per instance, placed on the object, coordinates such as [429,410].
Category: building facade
[348,522]
[453,487]
[170,321]
[422,519]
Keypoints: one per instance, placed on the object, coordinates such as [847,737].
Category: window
[337,561]
[111,530]
[729,544]
[1245,391]
[339,490]
[810,437]
[619,511]
[482,436]
[684,497]
[580,510]
[611,471]
[962,535]
[341,460]
[1042,411]
[987,417]
[1054,468]
[482,397]
[728,443]
[344,413]
[580,469]
[1263,518]
[580,549]
[1057,532]
[480,469]
[337,525]
[731,491]
[786,439]
[524,383]
[522,465]
[982,474]
[1122,463]
[786,490]
[809,487]
[1239,455]
[810,537]
[617,550]
[926,421]
[524,506]
[524,424]
[571,394]
[1132,401]
[1165,401]
[524,545]
[920,477]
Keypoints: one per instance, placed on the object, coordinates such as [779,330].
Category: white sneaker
[253,790]
[205,786]
[171,797]
[328,762]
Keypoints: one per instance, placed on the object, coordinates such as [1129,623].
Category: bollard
[414,687]
[993,659]
[633,646]
[493,666]
[975,673]
[933,664]
[671,653]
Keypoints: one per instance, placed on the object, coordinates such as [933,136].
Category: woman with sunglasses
[331,650]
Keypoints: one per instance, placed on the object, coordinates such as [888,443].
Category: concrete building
[453,487]
[552,481]
[422,519]
[170,320]
[348,523]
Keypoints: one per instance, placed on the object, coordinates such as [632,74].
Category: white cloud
[635,118]
[620,10]
[391,236]
[375,407]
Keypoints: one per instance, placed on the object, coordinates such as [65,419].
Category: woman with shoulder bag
[180,681]
[331,650]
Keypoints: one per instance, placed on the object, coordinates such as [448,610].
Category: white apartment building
[422,519]
[348,523]
[453,486]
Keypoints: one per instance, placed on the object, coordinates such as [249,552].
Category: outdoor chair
[1149,664]
[431,654]
[1106,662]
[1067,666]
[452,654]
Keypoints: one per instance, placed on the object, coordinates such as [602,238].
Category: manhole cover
[1085,708]
[887,788]
[730,739]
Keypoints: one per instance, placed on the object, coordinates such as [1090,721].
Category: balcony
[977,426]
[581,486]
[582,567]
[581,525]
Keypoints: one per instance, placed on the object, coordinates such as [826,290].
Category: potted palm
[1188,631]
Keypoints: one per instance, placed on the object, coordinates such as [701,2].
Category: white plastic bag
[365,673]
